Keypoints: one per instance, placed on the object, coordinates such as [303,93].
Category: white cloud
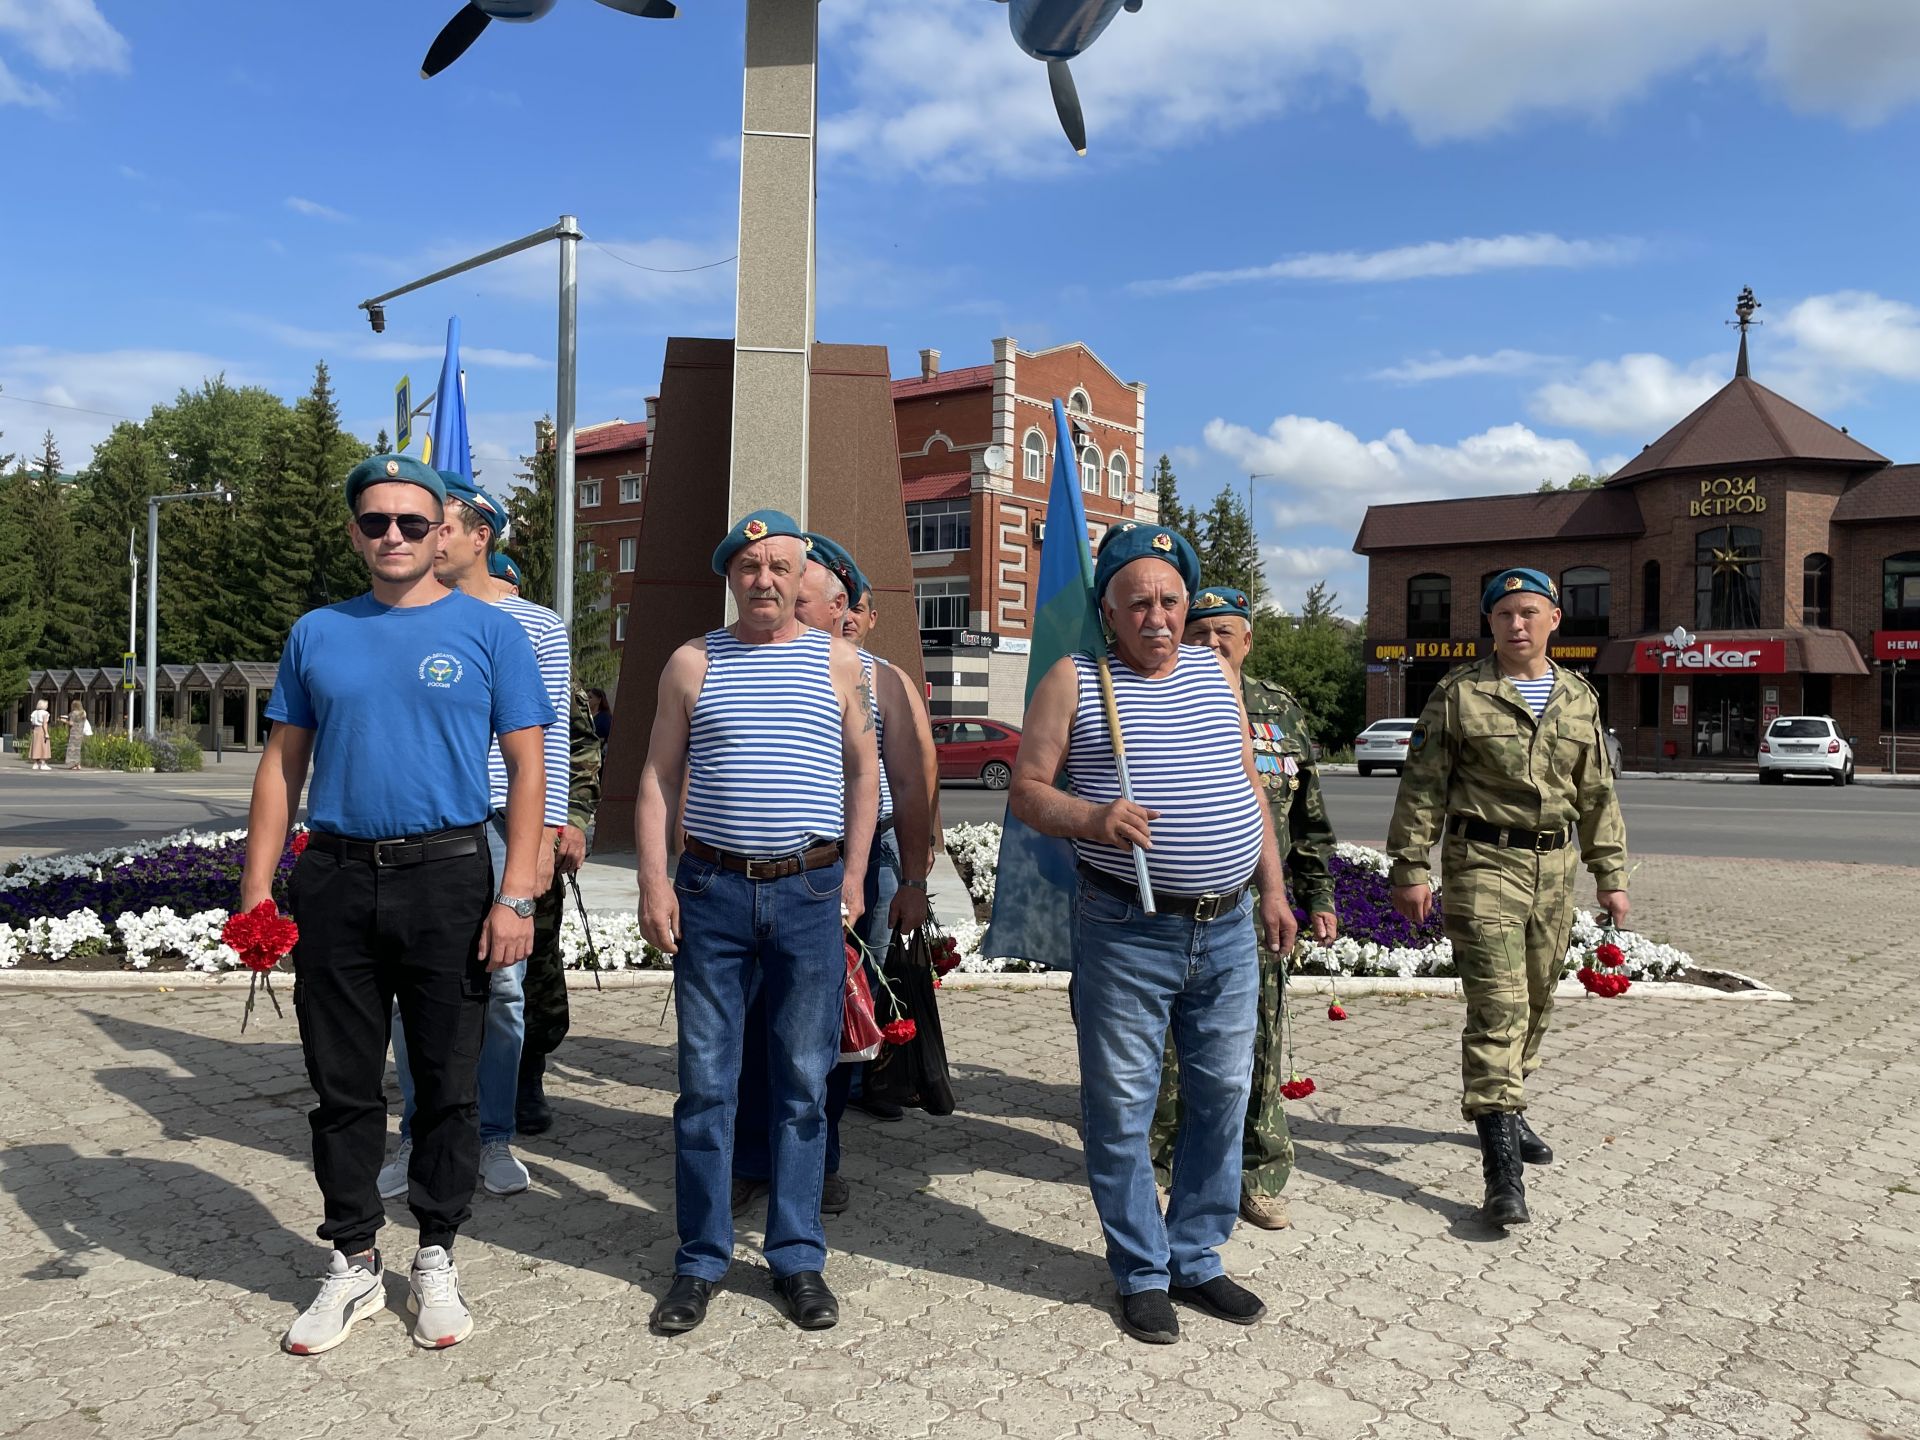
[15,91]
[95,388]
[1454,367]
[1291,571]
[1855,330]
[1304,562]
[364,345]
[943,89]
[313,209]
[64,35]
[1636,394]
[1470,255]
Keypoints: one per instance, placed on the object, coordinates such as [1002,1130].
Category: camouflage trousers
[1266,1149]
[1509,914]
[546,978]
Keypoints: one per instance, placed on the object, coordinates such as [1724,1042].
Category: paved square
[1724,1250]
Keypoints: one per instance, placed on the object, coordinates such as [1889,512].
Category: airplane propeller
[1066,104]
[473,17]
[1055,32]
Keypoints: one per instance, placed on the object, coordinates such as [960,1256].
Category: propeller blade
[451,43]
[1066,104]
[1132,7]
[645,9]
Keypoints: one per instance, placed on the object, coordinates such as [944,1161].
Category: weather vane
[1744,306]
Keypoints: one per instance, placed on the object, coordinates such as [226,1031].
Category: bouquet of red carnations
[260,936]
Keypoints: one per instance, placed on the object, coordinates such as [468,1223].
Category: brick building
[610,487]
[976,458]
[1753,561]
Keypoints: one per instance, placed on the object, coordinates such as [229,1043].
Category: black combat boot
[1506,1202]
[1533,1149]
[531,1113]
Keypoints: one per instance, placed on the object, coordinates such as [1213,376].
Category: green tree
[21,622]
[1581,481]
[1320,661]
[1229,552]
[530,511]
[1173,515]
[1319,606]
[110,506]
[55,560]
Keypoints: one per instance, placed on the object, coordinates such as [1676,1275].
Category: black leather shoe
[808,1299]
[531,1113]
[1148,1316]
[685,1305]
[1506,1198]
[1222,1299]
[1533,1150]
[878,1109]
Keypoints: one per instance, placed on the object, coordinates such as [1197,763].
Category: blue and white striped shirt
[1535,692]
[765,774]
[1184,739]
[551,649]
[867,663]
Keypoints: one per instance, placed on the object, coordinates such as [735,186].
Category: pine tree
[21,622]
[1229,552]
[110,505]
[55,561]
[1173,514]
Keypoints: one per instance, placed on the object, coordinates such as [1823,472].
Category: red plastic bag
[860,1036]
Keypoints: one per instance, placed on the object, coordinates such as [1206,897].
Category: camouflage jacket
[1478,751]
[1283,754]
[583,795]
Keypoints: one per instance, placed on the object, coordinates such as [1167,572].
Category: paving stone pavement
[1725,1248]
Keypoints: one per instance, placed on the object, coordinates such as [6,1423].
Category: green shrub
[115,752]
[181,744]
[57,739]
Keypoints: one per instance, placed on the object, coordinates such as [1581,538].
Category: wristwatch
[913,885]
[522,908]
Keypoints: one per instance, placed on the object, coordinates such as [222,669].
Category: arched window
[1650,595]
[1726,578]
[1586,601]
[1034,449]
[1079,404]
[1090,470]
[1429,607]
[1117,476]
[1900,592]
[1816,590]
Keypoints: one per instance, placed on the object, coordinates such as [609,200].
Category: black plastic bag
[913,1074]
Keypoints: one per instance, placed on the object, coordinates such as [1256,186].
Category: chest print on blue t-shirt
[441,671]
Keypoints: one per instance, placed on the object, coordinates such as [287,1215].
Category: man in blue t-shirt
[394,697]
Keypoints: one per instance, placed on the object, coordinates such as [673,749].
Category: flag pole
[1126,781]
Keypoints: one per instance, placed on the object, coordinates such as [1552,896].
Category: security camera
[377,317]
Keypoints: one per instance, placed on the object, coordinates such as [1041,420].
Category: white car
[1805,745]
[1382,746]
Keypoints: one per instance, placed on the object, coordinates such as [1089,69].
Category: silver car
[1382,746]
[1805,745]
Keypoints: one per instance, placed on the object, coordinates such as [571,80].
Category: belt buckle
[1541,842]
[380,853]
[753,869]
[1207,907]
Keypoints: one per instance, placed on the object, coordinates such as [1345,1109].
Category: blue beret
[502,566]
[1130,541]
[830,553]
[460,488]
[760,525]
[393,470]
[1217,600]
[1516,582]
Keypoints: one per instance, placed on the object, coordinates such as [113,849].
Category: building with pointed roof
[1753,561]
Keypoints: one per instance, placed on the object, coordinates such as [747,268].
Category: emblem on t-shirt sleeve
[441,671]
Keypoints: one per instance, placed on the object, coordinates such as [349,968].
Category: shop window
[1726,578]
[1586,601]
[1429,607]
[1816,591]
[936,526]
[1650,595]
[1649,702]
[1900,592]
[1034,449]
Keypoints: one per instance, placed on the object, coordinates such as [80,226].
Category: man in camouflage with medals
[1222,620]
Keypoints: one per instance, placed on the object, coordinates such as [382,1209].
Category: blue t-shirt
[403,704]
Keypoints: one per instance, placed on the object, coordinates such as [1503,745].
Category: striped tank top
[764,770]
[1183,737]
[867,662]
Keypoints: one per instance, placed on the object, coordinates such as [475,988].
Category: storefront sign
[1769,705]
[1729,497]
[1416,650]
[1680,697]
[1681,651]
[978,639]
[1573,654]
[1896,644]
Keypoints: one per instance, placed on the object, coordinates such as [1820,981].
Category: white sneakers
[352,1289]
[500,1172]
[441,1317]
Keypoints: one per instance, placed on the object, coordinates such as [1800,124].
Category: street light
[1253,529]
[567,232]
[154,502]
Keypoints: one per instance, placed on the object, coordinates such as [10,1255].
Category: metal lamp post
[567,232]
[1253,529]
[154,502]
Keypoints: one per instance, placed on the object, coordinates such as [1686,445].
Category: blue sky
[1382,251]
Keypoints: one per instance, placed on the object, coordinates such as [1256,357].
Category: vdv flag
[447,445]
[1034,885]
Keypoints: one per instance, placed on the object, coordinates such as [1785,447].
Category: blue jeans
[752,1158]
[1134,975]
[506,1029]
[777,941]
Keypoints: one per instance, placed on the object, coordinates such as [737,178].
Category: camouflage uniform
[1283,754]
[1477,751]
[546,978]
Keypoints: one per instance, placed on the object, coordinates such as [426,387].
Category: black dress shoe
[809,1300]
[531,1113]
[1533,1150]
[878,1109]
[685,1305]
[1148,1316]
[1500,1164]
[1222,1299]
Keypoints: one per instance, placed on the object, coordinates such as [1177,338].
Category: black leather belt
[407,850]
[1541,842]
[1193,907]
[883,827]
[777,867]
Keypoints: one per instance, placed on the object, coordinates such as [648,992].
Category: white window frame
[1034,449]
[629,553]
[1079,403]
[632,489]
[1117,474]
[948,589]
[1090,468]
[619,624]
[588,493]
[923,515]
[589,556]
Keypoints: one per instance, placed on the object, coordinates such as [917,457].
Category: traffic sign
[126,669]
[402,413]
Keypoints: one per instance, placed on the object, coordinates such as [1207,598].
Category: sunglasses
[373,524]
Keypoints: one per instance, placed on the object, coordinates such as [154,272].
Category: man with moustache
[392,696]
[1192,965]
[769,727]
[1506,770]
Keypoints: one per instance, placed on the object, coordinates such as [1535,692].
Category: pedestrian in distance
[392,697]
[1507,771]
[78,728]
[1221,619]
[1191,963]
[602,714]
[768,726]
[39,746]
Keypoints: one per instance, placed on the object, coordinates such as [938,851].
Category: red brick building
[610,487]
[1753,561]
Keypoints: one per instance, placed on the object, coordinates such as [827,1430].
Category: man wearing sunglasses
[391,696]
[474,521]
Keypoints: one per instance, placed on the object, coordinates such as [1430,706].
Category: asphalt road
[1798,820]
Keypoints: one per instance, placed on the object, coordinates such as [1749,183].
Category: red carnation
[1298,1088]
[1608,953]
[260,936]
[946,955]
[898,1032]
[1336,1012]
[299,845]
[1598,984]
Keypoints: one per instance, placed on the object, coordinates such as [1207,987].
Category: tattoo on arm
[865,697]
